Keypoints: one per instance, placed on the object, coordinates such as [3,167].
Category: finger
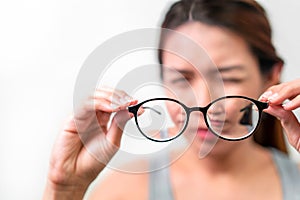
[103,118]
[91,106]
[293,104]
[289,123]
[109,96]
[95,113]
[105,105]
[118,123]
[274,95]
[69,125]
[279,93]
[121,100]
[103,110]
[115,94]
[111,90]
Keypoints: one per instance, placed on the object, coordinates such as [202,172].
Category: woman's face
[236,67]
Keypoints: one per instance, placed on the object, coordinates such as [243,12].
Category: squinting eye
[231,80]
[180,80]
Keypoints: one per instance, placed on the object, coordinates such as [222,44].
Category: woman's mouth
[204,133]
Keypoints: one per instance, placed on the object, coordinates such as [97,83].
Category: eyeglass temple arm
[260,105]
[246,119]
[246,108]
[146,107]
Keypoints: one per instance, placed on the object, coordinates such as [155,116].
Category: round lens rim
[258,104]
[186,109]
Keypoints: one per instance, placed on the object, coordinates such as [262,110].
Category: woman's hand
[277,96]
[86,144]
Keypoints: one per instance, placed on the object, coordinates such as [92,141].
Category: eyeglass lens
[162,116]
[232,118]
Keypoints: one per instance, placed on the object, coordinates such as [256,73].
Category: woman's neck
[225,158]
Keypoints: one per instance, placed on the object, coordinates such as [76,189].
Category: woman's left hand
[278,107]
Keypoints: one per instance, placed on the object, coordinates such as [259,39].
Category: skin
[225,169]
[226,50]
[276,95]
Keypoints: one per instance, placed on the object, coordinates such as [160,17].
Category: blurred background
[43,44]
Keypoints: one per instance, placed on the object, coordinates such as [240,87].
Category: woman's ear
[273,77]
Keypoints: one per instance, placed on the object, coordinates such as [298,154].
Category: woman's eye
[174,81]
[181,80]
[232,80]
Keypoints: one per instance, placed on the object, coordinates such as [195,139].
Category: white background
[42,47]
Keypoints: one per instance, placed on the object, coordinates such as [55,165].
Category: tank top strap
[289,175]
[159,182]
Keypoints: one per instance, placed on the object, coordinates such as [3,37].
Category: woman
[237,37]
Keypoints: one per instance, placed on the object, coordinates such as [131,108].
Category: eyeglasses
[230,117]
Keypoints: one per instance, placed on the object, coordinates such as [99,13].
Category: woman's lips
[205,133]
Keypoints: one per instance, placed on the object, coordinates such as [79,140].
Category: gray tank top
[160,185]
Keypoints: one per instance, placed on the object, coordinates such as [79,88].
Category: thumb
[116,128]
[289,122]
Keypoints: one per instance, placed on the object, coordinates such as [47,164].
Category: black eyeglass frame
[260,105]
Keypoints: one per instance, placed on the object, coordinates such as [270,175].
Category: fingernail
[128,98]
[265,95]
[287,104]
[273,97]
[123,101]
[114,106]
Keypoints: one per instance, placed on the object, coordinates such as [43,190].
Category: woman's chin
[207,144]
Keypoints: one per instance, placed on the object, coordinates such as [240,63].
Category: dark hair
[247,19]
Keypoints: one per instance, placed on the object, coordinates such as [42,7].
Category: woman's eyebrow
[181,71]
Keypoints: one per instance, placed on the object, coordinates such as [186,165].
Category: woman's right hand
[86,144]
[276,96]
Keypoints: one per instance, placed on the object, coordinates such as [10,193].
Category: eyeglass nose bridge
[203,110]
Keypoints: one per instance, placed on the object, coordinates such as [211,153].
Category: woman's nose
[205,95]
